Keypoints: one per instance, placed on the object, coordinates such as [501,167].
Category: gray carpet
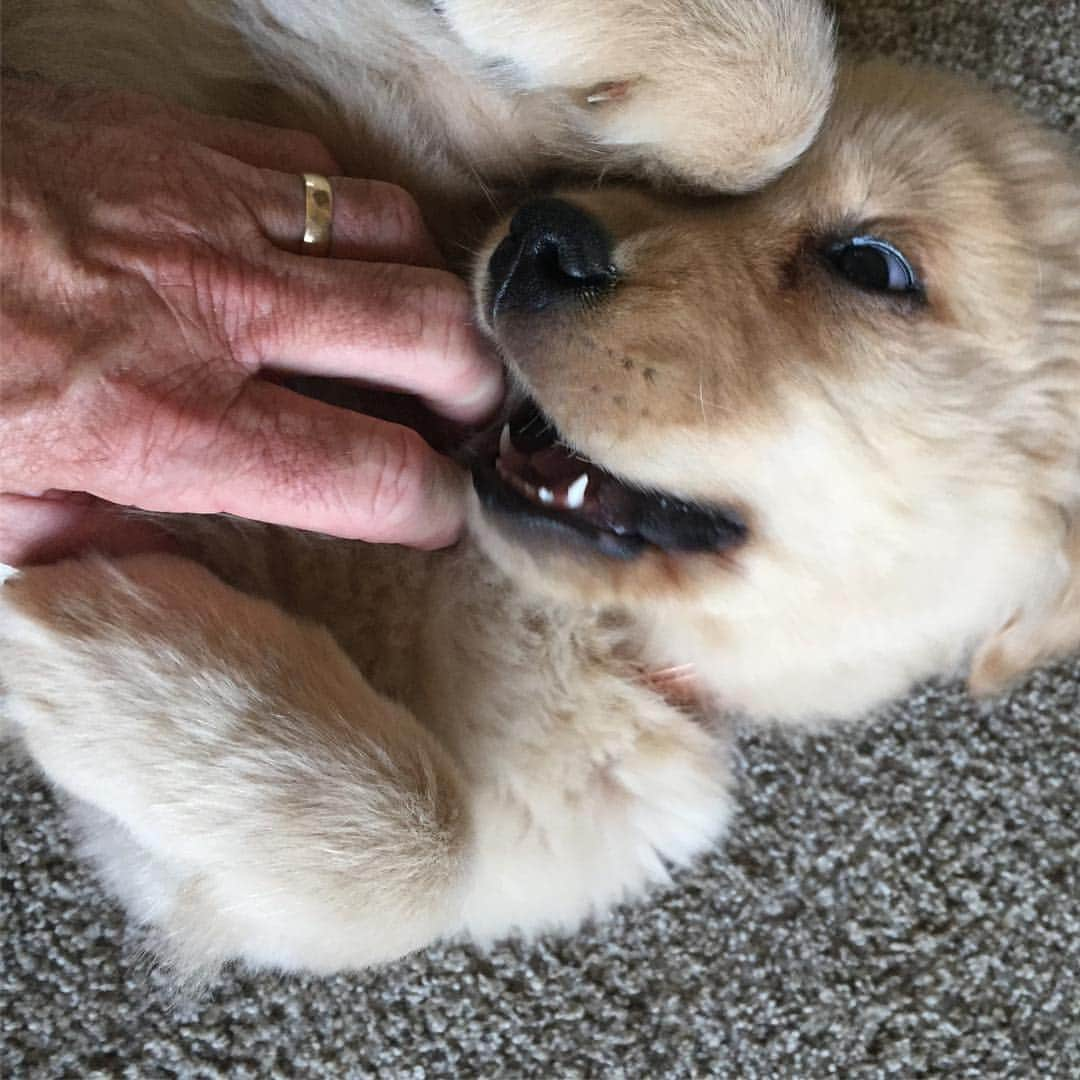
[896,900]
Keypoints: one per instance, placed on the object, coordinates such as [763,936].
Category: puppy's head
[714,95]
[827,435]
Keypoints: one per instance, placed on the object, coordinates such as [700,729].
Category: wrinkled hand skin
[153,290]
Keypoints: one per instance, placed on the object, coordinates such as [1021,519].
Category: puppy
[778,455]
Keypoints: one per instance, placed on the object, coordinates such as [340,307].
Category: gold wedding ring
[318,214]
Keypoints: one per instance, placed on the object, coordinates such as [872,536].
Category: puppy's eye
[874,265]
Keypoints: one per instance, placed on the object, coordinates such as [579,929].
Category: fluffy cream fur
[308,753]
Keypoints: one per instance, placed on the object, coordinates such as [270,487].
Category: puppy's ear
[1048,629]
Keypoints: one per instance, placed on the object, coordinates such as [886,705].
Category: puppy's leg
[720,95]
[252,795]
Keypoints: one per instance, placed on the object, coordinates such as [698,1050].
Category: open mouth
[531,478]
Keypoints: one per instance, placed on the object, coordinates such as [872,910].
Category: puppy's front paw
[255,796]
[718,96]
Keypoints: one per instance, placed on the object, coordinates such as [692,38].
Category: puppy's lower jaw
[543,492]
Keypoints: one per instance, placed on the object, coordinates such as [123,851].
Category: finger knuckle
[448,334]
[401,476]
[400,221]
[155,419]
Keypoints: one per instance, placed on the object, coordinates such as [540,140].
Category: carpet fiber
[898,899]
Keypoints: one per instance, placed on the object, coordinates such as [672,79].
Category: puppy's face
[828,435]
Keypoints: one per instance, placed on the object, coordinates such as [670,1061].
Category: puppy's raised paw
[721,95]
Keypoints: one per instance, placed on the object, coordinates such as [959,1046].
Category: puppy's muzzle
[554,254]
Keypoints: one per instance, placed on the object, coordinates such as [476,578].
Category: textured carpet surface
[895,900]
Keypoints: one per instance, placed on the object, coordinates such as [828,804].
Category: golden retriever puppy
[777,455]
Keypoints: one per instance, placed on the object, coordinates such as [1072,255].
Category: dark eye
[874,265]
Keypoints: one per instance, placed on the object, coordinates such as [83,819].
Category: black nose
[554,253]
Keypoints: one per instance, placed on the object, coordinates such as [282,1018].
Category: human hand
[152,290]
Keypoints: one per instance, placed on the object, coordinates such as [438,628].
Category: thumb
[286,459]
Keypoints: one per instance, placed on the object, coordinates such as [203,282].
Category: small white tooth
[504,440]
[546,495]
[575,493]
